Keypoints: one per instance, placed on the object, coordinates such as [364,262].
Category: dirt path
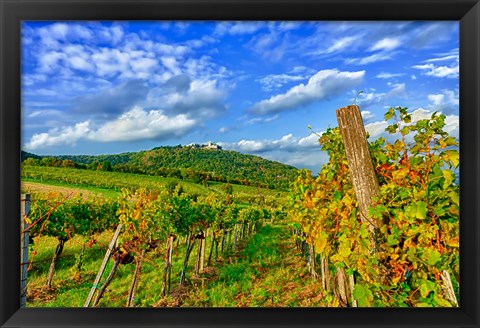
[35,187]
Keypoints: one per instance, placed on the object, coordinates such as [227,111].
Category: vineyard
[343,238]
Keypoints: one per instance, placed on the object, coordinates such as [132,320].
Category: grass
[264,271]
[267,272]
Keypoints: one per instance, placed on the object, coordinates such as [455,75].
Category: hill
[193,163]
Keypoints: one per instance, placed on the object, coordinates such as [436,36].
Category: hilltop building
[209,145]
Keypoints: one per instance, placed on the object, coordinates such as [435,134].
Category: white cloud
[81,64]
[45,112]
[386,44]
[367,99]
[381,56]
[59,136]
[136,124]
[110,62]
[256,120]
[237,28]
[171,64]
[444,58]
[385,75]
[439,71]
[274,81]
[302,152]
[323,84]
[50,61]
[341,44]
[200,99]
[366,115]
[446,102]
[287,142]
[376,129]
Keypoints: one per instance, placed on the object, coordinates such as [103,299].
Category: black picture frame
[467,12]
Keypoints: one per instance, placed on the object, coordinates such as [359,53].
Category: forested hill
[194,164]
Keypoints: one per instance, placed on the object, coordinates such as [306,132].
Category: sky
[253,87]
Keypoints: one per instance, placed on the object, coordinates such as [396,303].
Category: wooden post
[364,179]
[104,264]
[342,287]
[448,288]
[202,253]
[351,282]
[24,241]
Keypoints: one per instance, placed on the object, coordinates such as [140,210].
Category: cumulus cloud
[446,102]
[365,99]
[136,124]
[301,152]
[112,101]
[59,136]
[366,115]
[287,142]
[200,99]
[320,86]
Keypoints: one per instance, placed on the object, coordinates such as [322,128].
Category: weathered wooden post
[364,179]
[103,265]
[24,241]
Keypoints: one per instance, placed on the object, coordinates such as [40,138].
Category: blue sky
[254,87]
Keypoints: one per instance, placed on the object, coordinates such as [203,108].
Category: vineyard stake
[448,288]
[104,264]
[351,282]
[24,241]
[364,179]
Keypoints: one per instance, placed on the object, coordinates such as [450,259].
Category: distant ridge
[195,162]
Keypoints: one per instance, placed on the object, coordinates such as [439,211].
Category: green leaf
[362,295]
[337,196]
[392,240]
[389,114]
[451,156]
[426,287]
[421,210]
[431,256]
[449,178]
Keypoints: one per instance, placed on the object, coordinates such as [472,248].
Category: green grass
[263,271]
[267,272]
